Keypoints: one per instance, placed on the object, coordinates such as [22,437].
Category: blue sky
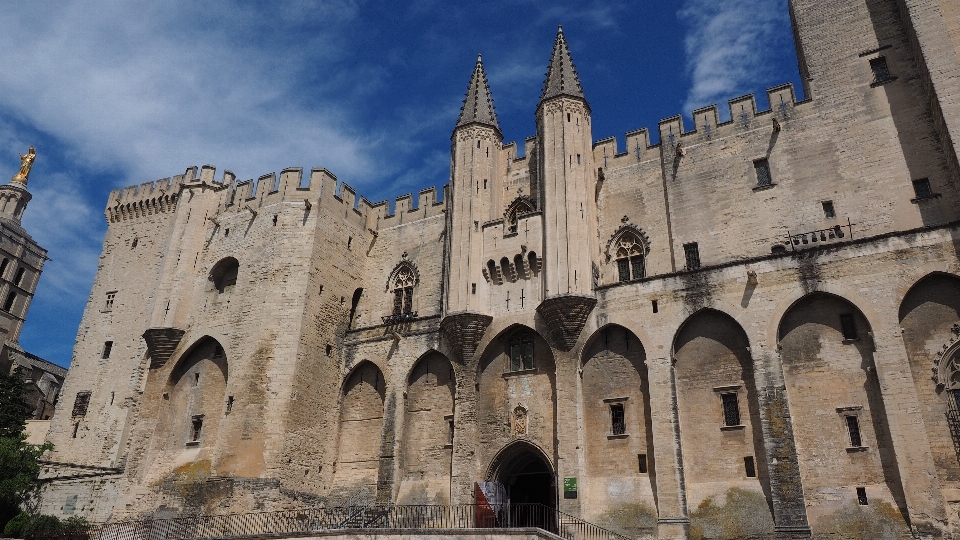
[120,92]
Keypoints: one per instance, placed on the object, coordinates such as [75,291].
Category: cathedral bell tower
[474,198]
[567,187]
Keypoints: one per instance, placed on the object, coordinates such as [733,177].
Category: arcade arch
[361,425]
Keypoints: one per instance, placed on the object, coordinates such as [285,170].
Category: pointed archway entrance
[529,482]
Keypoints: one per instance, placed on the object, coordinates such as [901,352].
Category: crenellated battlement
[321,187]
[744,116]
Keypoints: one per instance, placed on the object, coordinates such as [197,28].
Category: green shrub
[43,526]
[17,526]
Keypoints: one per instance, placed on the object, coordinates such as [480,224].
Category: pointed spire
[478,105]
[562,77]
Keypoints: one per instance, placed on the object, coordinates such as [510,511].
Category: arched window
[403,283]
[629,252]
[520,350]
[224,275]
[952,383]
[518,208]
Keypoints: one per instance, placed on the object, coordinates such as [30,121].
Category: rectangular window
[642,463]
[692,253]
[828,210]
[749,467]
[731,409]
[762,167]
[407,300]
[107,347]
[653,304]
[853,428]
[108,305]
[8,304]
[922,189]
[80,403]
[397,301]
[19,277]
[880,70]
[196,427]
[617,424]
[862,496]
[848,327]
[473,288]
[623,269]
[636,265]
[450,430]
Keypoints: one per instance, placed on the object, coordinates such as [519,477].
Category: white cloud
[149,88]
[728,45]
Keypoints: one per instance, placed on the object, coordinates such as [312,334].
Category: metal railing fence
[310,520]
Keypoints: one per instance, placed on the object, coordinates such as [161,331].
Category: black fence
[311,520]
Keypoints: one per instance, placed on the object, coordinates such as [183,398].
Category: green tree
[19,466]
[14,409]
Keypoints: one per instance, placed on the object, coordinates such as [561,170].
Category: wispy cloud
[729,46]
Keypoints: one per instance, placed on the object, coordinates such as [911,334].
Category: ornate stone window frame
[617,250]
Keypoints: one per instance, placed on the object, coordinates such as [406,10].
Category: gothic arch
[360,429]
[626,229]
[403,267]
[521,205]
[827,354]
[617,426]
[426,447]
[195,401]
[504,461]
[929,316]
[719,406]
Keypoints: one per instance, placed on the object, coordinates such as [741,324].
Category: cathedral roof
[562,77]
[478,104]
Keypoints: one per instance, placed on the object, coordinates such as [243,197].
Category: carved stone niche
[161,342]
[566,315]
[463,330]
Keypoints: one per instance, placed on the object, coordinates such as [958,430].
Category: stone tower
[567,187]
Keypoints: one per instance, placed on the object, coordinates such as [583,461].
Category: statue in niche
[26,163]
[519,420]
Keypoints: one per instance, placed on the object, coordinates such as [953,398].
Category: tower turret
[475,192]
[567,182]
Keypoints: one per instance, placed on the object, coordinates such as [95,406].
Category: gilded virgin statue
[26,163]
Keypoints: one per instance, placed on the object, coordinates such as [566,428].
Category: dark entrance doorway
[530,483]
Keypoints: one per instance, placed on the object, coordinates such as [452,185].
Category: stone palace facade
[761,314]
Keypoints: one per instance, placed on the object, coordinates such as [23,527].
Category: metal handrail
[311,520]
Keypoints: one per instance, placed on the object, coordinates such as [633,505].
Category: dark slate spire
[478,105]
[562,74]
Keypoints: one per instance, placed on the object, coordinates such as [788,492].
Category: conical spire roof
[562,77]
[478,105]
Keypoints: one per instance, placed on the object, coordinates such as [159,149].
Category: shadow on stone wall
[744,515]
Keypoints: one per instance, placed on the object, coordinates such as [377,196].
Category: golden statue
[26,163]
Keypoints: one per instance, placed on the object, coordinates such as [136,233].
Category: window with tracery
[403,291]
[629,251]
[520,350]
[950,378]
[513,215]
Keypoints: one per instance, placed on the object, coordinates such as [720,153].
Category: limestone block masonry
[751,327]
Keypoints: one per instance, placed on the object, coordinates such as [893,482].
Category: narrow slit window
[731,409]
[329,350]
[107,347]
[828,211]
[617,424]
[473,288]
[196,427]
[3,266]
[229,403]
[196,379]
[862,496]
[76,428]
[749,467]
[921,188]
[848,327]
[656,308]
[8,303]
[853,428]
[762,166]
[691,252]
[642,463]
[450,430]
[19,277]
